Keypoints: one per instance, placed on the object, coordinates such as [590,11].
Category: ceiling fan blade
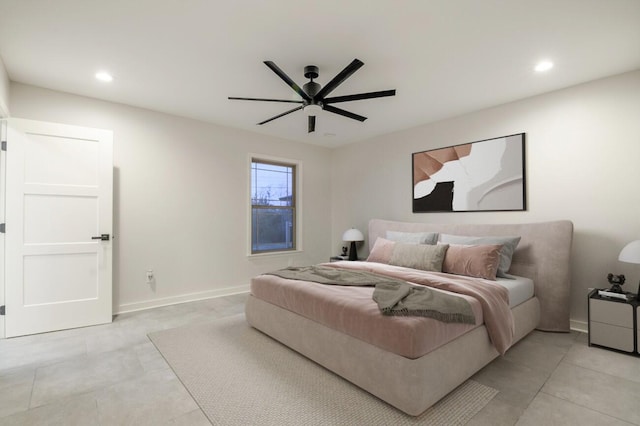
[281,115]
[287,80]
[359,96]
[343,113]
[312,123]
[263,99]
[338,79]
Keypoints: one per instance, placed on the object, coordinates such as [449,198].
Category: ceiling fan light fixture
[312,110]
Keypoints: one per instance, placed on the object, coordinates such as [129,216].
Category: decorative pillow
[413,237]
[419,256]
[381,251]
[509,245]
[480,261]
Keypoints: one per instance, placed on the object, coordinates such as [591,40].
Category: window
[273,206]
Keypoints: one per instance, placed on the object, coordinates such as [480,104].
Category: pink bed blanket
[493,298]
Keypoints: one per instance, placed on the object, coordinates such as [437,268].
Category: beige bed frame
[413,385]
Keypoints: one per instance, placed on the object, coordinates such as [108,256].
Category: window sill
[275,254]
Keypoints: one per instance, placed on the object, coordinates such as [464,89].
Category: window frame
[296,208]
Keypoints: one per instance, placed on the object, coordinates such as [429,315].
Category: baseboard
[580,326]
[191,297]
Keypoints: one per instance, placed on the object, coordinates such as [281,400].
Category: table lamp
[352,235]
[631,254]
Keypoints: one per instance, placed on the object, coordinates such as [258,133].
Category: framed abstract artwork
[487,175]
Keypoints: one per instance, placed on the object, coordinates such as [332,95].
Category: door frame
[3,169]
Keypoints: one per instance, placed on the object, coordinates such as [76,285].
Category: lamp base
[353,254]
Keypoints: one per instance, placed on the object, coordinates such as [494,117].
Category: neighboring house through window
[273,205]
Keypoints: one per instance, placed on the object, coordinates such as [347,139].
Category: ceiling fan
[314,97]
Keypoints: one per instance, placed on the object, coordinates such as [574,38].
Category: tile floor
[113,375]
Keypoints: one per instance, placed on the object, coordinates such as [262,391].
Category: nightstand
[339,258]
[613,323]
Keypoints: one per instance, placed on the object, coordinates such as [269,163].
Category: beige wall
[4,90]
[180,185]
[582,160]
[180,197]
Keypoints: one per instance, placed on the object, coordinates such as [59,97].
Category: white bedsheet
[520,289]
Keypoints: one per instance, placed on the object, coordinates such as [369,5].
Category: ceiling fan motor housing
[311,88]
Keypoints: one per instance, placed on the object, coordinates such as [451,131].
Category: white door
[59,193]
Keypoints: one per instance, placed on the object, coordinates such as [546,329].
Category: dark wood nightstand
[613,323]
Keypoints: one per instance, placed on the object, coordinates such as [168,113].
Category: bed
[412,377]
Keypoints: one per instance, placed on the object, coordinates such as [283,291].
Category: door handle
[102,237]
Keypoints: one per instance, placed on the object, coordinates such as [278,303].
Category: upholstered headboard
[543,255]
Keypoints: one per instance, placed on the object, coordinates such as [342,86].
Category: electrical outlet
[150,276]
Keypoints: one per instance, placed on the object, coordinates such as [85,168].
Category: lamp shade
[352,235]
[631,252]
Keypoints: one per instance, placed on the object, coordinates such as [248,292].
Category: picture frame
[486,175]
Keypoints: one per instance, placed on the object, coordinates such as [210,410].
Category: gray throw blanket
[394,297]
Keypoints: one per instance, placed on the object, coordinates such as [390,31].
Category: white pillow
[413,237]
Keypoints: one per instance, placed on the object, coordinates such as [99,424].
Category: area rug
[240,376]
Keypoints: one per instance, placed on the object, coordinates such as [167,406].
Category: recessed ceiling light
[544,66]
[104,76]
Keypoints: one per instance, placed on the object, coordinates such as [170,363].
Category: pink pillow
[480,261]
[381,251]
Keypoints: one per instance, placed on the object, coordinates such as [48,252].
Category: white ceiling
[444,57]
